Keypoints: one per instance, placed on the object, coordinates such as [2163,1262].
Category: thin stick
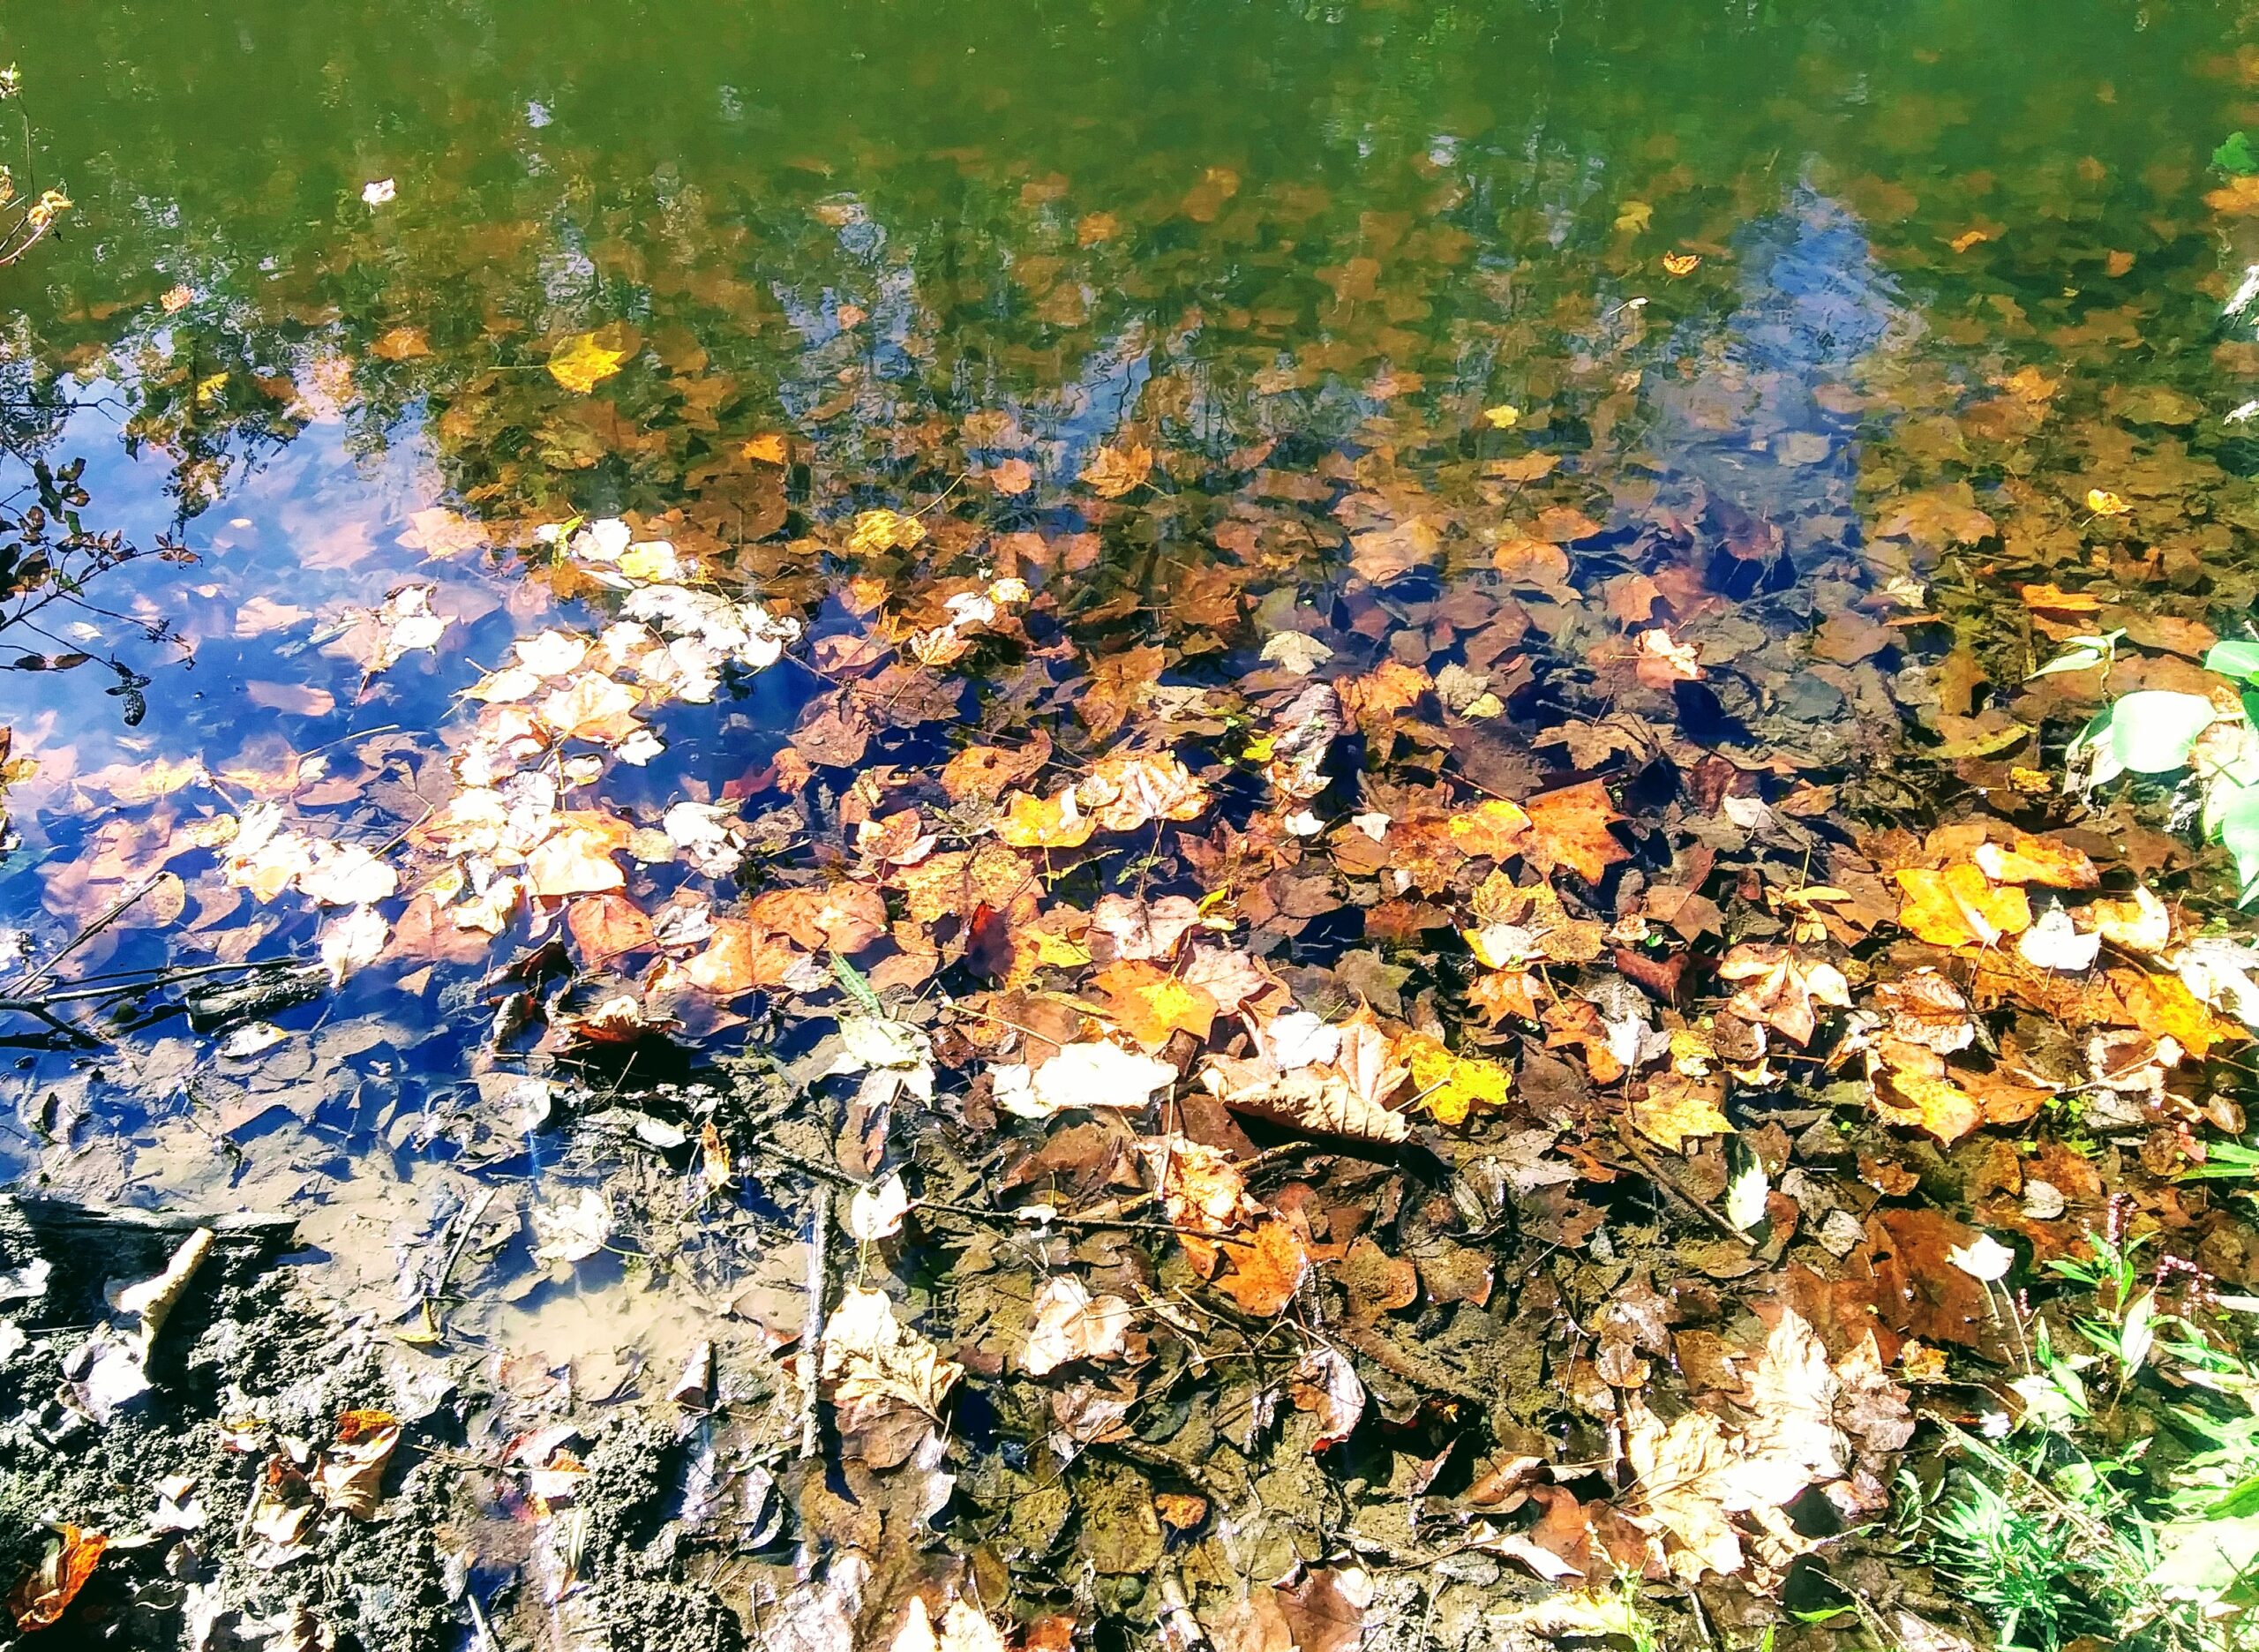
[812,1339]
[118,909]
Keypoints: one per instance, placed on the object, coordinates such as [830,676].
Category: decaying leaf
[1067,1324]
[350,1475]
[46,1593]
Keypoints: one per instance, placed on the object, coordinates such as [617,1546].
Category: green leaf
[2082,653]
[856,985]
[2152,729]
[2239,830]
[2236,156]
[2204,1558]
[2234,659]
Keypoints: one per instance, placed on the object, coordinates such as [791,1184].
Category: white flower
[378,193]
[1985,1259]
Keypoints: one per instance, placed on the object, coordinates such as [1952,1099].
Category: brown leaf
[1115,471]
[1779,985]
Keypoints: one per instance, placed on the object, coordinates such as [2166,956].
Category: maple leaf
[2029,860]
[1115,471]
[1451,1085]
[742,957]
[989,771]
[1678,1106]
[1031,823]
[1264,1270]
[877,530]
[605,925]
[1569,827]
[1911,1097]
[1781,987]
[844,917]
[868,1354]
[1683,1472]
[1126,792]
[1150,1003]
[582,362]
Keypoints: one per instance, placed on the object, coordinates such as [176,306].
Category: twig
[812,1339]
[116,910]
[477,1208]
[1655,1173]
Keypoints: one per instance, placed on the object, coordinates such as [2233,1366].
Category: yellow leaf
[877,530]
[1149,1004]
[1451,1085]
[580,364]
[1959,906]
[1030,823]
[1678,1106]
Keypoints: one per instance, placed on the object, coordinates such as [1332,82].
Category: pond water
[1429,331]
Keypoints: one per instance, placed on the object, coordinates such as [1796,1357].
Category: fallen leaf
[1066,1322]
[581,363]
[1959,906]
[1149,1003]
[349,1474]
[1569,827]
[47,1592]
[1265,1270]
[1112,472]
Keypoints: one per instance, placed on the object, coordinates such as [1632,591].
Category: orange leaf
[2161,1005]
[1570,828]
[605,925]
[1149,1003]
[1959,906]
[738,959]
[844,917]
[43,1596]
[1266,1268]
[1491,828]
[2029,860]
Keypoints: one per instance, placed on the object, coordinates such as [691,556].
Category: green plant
[2064,1528]
[2162,730]
[2038,1535]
